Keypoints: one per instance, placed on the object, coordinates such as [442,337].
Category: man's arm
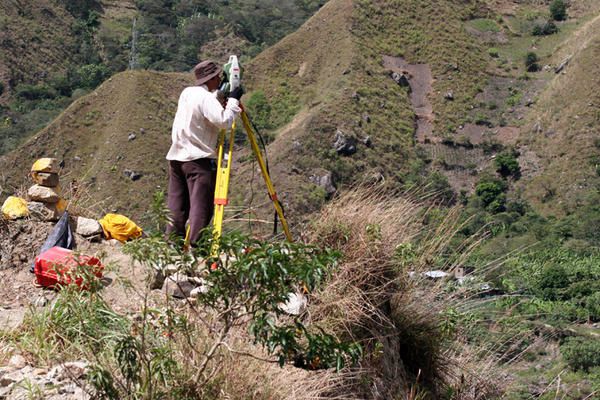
[219,116]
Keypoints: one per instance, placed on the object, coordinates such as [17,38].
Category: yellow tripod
[224,172]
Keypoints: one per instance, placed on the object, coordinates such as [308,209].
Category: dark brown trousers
[191,196]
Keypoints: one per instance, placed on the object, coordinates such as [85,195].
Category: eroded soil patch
[420,79]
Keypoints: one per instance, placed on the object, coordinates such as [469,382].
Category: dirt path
[421,81]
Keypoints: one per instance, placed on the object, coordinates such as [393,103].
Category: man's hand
[237,93]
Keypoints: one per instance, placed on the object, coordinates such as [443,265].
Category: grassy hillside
[563,129]
[92,139]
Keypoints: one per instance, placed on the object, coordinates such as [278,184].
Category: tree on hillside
[558,10]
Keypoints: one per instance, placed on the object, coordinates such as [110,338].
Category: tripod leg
[222,185]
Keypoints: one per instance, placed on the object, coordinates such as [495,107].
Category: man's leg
[178,199]
[201,187]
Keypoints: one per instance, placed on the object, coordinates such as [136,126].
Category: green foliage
[91,75]
[581,354]
[547,28]
[494,52]
[438,184]
[485,25]
[560,279]
[171,32]
[491,192]
[259,110]
[35,92]
[251,282]
[507,165]
[531,62]
[558,10]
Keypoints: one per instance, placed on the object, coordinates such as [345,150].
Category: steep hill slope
[564,129]
[350,121]
[93,138]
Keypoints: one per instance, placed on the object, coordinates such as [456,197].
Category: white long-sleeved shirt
[197,122]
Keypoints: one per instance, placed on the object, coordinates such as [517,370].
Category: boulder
[563,65]
[401,79]
[50,165]
[324,179]
[343,144]
[87,227]
[178,285]
[47,179]
[44,194]
[134,176]
[44,211]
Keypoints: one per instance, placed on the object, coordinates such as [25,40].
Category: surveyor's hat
[205,71]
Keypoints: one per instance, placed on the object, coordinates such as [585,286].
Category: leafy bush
[548,28]
[581,354]
[91,75]
[531,62]
[35,92]
[507,165]
[558,10]
[491,192]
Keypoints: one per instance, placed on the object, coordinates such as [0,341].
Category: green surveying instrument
[233,76]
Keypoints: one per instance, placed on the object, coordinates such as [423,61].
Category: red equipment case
[59,266]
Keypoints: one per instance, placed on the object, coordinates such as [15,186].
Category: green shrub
[558,10]
[491,192]
[35,92]
[548,28]
[493,52]
[531,62]
[1,88]
[507,165]
[581,353]
[92,75]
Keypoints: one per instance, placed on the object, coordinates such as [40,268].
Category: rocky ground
[20,242]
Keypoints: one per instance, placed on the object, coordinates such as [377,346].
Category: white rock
[17,361]
[44,194]
[87,227]
[437,274]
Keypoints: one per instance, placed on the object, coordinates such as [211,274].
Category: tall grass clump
[409,326]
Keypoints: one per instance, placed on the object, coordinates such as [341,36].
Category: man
[192,172]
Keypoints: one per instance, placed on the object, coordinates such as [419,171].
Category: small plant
[493,52]
[531,62]
[558,10]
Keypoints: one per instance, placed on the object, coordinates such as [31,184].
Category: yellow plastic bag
[15,207]
[116,226]
[46,165]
